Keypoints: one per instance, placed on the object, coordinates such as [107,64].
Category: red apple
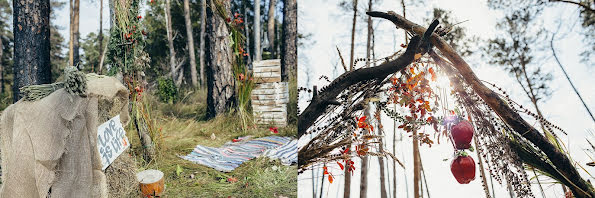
[463,168]
[462,133]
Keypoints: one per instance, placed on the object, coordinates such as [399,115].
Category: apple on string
[462,133]
[463,168]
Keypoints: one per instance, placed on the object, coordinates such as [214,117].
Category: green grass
[182,128]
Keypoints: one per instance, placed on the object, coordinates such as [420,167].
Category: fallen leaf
[232,180]
[179,170]
[274,129]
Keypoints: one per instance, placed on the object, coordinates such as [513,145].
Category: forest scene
[453,98]
[177,75]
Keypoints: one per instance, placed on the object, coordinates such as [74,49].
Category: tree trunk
[394,152]
[405,16]
[289,45]
[203,10]
[190,43]
[381,159]
[347,189]
[416,168]
[1,67]
[73,54]
[363,187]
[100,35]
[353,35]
[31,44]
[257,52]
[247,32]
[347,185]
[271,27]
[219,59]
[170,42]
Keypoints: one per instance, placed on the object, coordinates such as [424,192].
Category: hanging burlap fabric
[49,148]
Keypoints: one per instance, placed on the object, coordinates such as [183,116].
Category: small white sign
[111,141]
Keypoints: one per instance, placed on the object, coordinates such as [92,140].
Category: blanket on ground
[232,154]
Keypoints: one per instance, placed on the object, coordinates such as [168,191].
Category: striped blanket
[232,154]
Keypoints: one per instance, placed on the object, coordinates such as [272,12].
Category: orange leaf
[340,165]
[433,74]
[330,179]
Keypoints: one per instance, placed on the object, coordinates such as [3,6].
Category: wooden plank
[265,120]
[264,95]
[269,102]
[265,63]
[267,75]
[268,91]
[265,109]
[270,97]
[273,85]
[267,80]
[267,69]
[278,116]
[271,115]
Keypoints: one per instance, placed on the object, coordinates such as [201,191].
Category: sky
[328,26]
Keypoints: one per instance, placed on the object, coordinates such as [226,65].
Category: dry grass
[183,128]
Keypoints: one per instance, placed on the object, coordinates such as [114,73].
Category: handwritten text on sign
[111,141]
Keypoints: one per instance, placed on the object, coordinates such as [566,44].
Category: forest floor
[183,127]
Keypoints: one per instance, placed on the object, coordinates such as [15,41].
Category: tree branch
[510,117]
[586,7]
[319,103]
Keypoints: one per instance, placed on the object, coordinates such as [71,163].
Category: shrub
[167,90]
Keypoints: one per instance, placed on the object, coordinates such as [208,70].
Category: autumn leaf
[340,165]
[330,179]
[433,74]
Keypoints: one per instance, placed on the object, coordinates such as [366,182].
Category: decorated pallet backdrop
[269,96]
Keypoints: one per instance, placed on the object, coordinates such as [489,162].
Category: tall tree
[5,42]
[91,52]
[170,43]
[271,27]
[58,58]
[190,39]
[203,10]
[351,56]
[290,36]
[219,60]
[31,44]
[514,50]
[347,189]
[257,51]
[363,187]
[74,56]
[100,35]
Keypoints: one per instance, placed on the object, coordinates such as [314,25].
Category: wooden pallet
[269,96]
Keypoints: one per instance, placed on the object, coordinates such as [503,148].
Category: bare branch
[319,104]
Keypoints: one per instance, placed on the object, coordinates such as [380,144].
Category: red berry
[462,133]
[463,169]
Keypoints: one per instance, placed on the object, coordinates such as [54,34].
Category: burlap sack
[49,148]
